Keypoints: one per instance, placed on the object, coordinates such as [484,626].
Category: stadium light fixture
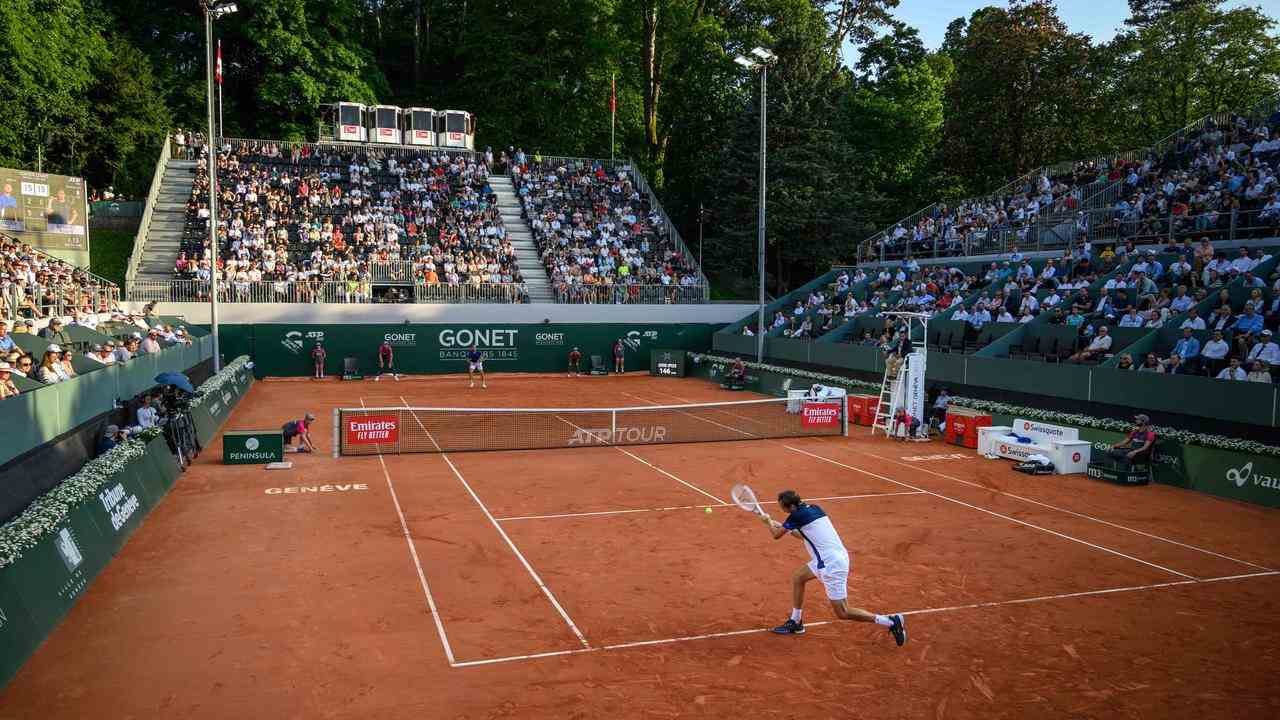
[213,11]
[764,58]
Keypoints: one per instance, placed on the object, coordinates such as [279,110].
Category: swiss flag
[217,68]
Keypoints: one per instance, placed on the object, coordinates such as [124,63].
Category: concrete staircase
[521,237]
[163,237]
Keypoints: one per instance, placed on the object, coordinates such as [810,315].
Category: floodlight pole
[213,186]
[764,106]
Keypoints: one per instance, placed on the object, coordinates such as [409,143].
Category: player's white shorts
[475,367]
[834,577]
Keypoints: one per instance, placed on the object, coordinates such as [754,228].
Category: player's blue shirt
[820,537]
[475,355]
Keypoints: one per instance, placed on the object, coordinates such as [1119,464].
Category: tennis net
[393,430]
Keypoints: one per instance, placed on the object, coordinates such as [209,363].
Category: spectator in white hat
[50,370]
[1266,350]
[7,388]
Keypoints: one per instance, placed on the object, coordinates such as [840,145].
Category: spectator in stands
[1248,321]
[51,370]
[1193,320]
[1151,363]
[1214,353]
[112,436]
[1265,350]
[1233,371]
[146,415]
[1188,348]
[150,345]
[54,332]
[1137,443]
[7,387]
[1125,362]
[1173,365]
[25,365]
[127,347]
[1259,372]
[1131,319]
[1098,347]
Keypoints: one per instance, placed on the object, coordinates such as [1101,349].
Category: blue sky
[1100,19]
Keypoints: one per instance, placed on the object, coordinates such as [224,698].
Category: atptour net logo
[635,337]
[373,430]
[619,436]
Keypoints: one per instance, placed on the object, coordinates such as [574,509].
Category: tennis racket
[745,498]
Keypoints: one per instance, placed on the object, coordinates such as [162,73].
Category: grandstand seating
[34,285]
[598,236]
[309,223]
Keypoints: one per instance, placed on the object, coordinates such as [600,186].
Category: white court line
[532,573]
[1073,513]
[1064,536]
[696,507]
[954,608]
[417,562]
[1065,510]
[637,458]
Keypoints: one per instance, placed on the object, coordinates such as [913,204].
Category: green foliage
[92,86]
[109,252]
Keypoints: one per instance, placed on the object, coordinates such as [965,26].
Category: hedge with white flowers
[212,388]
[1185,437]
[825,379]
[47,512]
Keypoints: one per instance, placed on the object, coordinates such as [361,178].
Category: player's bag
[1034,467]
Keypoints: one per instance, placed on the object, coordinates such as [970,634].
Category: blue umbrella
[182,382]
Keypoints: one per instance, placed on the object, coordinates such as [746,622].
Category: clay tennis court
[590,582]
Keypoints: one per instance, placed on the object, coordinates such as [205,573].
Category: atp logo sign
[295,340]
[635,337]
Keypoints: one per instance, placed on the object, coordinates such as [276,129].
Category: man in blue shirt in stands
[1188,348]
[1249,322]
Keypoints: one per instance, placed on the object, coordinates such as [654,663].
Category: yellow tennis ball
[708,511]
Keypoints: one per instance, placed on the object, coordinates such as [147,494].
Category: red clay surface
[234,602]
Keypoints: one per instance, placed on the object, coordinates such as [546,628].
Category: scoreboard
[667,363]
[48,212]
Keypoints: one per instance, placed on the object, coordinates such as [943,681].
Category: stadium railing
[327,291]
[633,295]
[144,225]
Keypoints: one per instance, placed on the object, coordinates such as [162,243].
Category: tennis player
[386,361]
[828,562]
[575,362]
[475,364]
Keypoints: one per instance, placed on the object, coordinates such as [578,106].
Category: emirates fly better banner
[372,430]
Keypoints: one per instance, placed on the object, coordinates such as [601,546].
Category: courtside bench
[1062,445]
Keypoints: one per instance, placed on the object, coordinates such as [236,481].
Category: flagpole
[613,112]
[221,132]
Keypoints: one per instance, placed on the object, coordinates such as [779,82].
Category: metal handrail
[144,225]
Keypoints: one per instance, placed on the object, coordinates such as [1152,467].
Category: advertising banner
[372,430]
[820,415]
[252,447]
[284,350]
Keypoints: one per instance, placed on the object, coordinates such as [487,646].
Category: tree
[1184,60]
[1020,91]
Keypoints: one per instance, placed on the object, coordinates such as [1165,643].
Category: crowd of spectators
[319,222]
[597,235]
[126,337]
[34,286]
[1219,179]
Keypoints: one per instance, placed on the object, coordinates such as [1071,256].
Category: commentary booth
[384,124]
[419,126]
